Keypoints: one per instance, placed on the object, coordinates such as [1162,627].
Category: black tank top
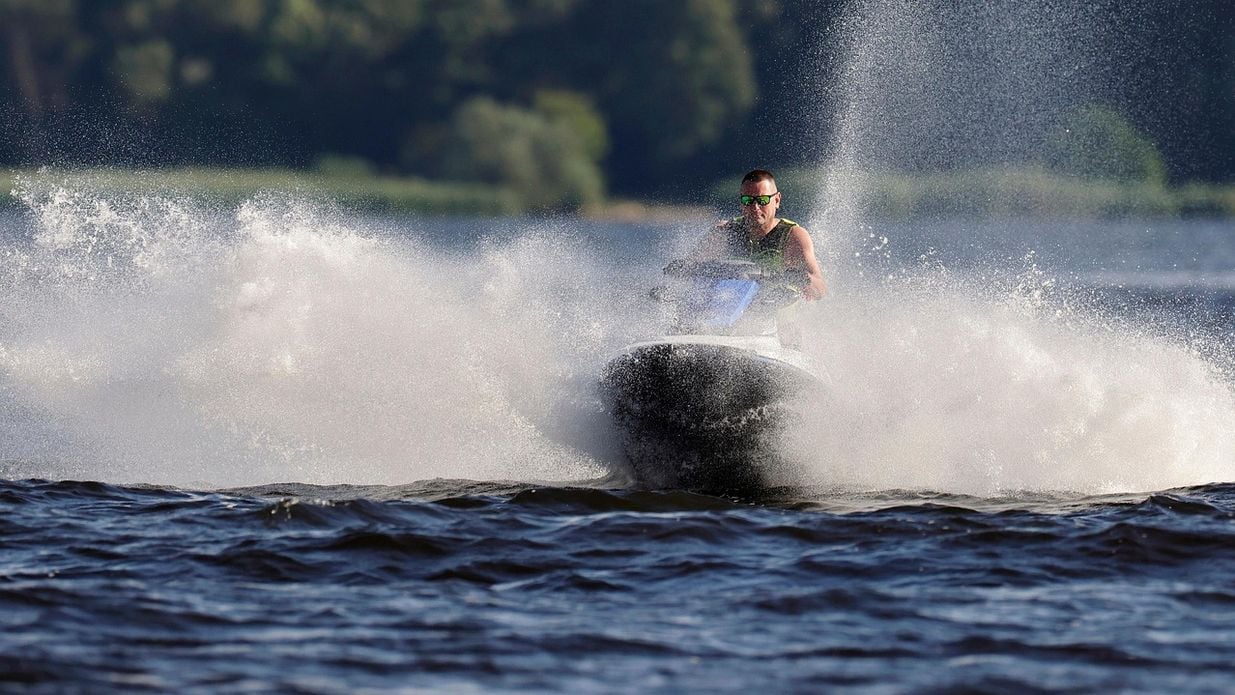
[768,251]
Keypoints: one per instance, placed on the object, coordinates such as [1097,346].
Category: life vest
[768,251]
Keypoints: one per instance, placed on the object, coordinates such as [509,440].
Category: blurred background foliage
[543,105]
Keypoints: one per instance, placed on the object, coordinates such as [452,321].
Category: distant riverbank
[993,194]
[362,191]
[231,186]
[1005,193]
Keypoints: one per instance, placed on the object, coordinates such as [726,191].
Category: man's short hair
[757,175]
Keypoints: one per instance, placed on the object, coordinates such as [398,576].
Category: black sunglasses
[761,199]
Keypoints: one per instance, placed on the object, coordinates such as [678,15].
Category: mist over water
[930,86]
[985,379]
[146,340]
[941,389]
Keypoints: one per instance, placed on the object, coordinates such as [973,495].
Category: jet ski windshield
[723,297]
[726,269]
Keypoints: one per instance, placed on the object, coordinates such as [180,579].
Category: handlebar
[732,269]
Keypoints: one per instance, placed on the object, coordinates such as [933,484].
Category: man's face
[756,214]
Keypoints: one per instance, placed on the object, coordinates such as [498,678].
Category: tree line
[561,101]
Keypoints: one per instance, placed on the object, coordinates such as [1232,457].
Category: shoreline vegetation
[1006,193]
[981,194]
[363,191]
[384,105]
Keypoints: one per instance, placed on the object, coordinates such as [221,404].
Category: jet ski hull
[705,413]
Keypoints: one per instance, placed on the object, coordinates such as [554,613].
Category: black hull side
[704,418]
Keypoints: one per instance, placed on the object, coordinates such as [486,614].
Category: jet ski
[702,407]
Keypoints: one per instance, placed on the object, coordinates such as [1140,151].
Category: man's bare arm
[801,252]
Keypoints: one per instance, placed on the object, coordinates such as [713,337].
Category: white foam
[284,344]
[981,383]
[942,387]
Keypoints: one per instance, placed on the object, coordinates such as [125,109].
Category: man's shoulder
[792,228]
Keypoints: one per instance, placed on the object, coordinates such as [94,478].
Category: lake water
[288,449]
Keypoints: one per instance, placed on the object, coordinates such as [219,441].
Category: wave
[991,387]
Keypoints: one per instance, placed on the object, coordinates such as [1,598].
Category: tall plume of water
[930,86]
[985,380]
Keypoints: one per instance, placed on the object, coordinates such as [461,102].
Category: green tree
[545,161]
[1096,142]
[670,76]
[42,51]
[144,71]
[576,113]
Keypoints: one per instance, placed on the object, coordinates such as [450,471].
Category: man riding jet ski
[759,235]
[701,407]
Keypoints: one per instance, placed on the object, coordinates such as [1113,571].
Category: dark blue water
[449,586]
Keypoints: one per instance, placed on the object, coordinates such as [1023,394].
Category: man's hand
[815,289]
[802,252]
